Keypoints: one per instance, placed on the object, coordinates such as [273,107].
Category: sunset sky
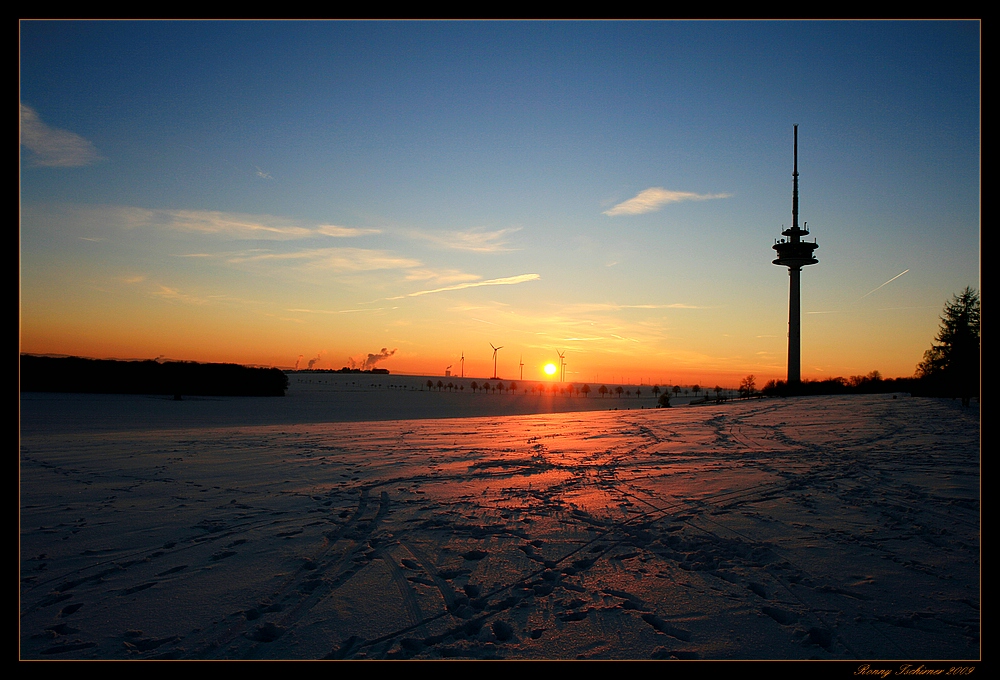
[282,192]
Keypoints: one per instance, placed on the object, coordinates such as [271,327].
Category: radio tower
[794,254]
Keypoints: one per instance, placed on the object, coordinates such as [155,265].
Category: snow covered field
[825,527]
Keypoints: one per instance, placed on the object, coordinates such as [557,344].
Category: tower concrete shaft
[794,325]
[795,253]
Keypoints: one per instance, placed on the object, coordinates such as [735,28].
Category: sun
[550,369]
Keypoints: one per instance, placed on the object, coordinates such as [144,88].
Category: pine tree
[951,365]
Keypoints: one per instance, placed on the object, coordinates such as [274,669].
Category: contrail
[884,284]
[506,281]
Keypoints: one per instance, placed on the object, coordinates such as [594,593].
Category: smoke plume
[369,363]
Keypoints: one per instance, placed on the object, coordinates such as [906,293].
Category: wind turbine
[521,364]
[495,350]
[562,360]
[463,364]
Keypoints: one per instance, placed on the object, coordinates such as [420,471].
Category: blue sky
[261,191]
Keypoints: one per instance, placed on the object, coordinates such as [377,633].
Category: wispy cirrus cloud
[173,294]
[228,224]
[176,295]
[335,311]
[582,307]
[506,281]
[238,225]
[337,259]
[654,198]
[473,240]
[217,224]
[52,147]
[619,337]
[344,232]
[443,277]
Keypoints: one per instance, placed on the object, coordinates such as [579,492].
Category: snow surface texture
[826,527]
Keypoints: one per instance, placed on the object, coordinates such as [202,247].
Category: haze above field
[279,193]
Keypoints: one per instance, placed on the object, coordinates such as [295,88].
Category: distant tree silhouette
[512,387]
[638,393]
[952,365]
[656,390]
[430,384]
[500,387]
[603,390]
[108,376]
[586,390]
[618,391]
[748,387]
[696,389]
[474,386]
[677,390]
[718,393]
[664,400]
[486,386]
[440,385]
[858,381]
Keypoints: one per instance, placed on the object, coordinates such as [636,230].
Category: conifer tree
[951,365]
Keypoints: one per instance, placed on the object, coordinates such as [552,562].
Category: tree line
[109,376]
